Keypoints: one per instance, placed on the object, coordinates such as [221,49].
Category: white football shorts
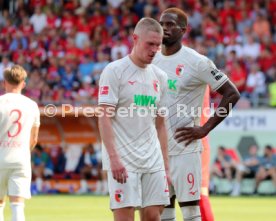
[15,182]
[141,190]
[185,172]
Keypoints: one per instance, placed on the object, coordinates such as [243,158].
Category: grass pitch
[96,208]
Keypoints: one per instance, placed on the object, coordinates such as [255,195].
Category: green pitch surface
[95,208]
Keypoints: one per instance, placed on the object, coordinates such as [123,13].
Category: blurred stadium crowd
[75,162]
[252,173]
[231,172]
[64,45]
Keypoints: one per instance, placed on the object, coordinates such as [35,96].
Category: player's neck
[136,61]
[16,89]
[171,49]
[13,90]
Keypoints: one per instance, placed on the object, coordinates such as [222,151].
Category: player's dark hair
[181,16]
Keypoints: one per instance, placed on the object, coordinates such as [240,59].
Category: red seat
[58,176]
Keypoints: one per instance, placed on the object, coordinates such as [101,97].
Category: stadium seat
[223,186]
[58,176]
[248,186]
[266,188]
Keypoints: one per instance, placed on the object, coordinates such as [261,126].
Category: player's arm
[161,125]
[108,99]
[163,139]
[230,96]
[35,128]
[106,131]
[208,73]
[34,137]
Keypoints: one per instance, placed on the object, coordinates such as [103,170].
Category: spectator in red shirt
[210,28]
[226,12]
[266,59]
[52,20]
[67,22]
[237,75]
[36,3]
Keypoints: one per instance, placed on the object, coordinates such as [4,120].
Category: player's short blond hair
[15,75]
[147,24]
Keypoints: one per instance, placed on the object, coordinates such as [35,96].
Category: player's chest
[140,90]
[180,78]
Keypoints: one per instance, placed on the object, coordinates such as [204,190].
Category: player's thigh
[155,189]
[186,176]
[127,194]
[151,213]
[17,199]
[19,184]
[126,214]
[4,177]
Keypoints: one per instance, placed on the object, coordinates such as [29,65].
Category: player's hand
[189,134]
[118,170]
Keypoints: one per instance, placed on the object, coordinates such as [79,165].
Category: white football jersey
[18,114]
[133,91]
[188,75]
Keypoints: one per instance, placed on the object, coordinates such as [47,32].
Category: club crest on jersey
[179,71]
[119,196]
[156,86]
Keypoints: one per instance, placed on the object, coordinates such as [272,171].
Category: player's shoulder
[193,55]
[189,55]
[196,60]
[2,97]
[116,67]
[118,64]
[28,100]
[19,99]
[158,71]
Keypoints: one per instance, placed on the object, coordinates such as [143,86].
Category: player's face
[173,32]
[147,45]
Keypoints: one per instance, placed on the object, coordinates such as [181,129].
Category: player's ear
[23,85]
[135,37]
[183,29]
